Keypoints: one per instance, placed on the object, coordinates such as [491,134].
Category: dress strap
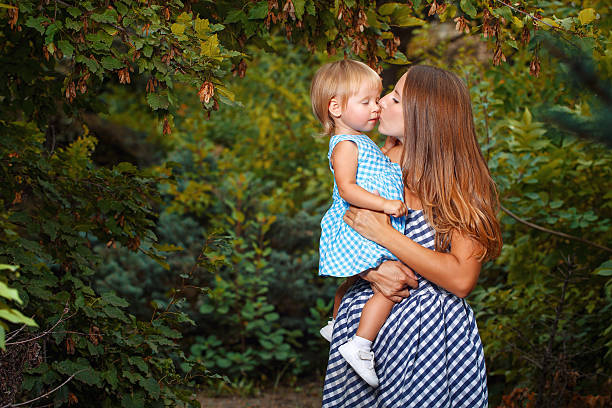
[360,140]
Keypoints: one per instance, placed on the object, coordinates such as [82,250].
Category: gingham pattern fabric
[342,251]
[428,353]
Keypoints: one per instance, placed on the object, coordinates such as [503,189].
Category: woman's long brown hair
[443,164]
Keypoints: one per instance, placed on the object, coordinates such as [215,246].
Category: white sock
[362,343]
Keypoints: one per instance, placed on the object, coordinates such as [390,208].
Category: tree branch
[45,394]
[553,232]
[534,17]
[46,332]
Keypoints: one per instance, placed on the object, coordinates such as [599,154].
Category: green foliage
[6,312]
[542,308]
[172,42]
[57,206]
[260,214]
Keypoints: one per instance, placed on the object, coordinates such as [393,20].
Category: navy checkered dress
[428,353]
[342,251]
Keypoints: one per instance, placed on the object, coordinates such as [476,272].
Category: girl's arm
[344,161]
[456,271]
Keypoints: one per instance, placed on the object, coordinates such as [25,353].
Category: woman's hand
[393,279]
[370,224]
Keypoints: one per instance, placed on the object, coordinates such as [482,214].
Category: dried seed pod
[206,91]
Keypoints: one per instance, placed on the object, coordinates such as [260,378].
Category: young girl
[344,98]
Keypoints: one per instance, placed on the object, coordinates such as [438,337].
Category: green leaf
[151,386]
[109,16]
[389,8]
[111,63]
[8,293]
[74,12]
[147,51]
[91,64]
[258,11]
[125,167]
[504,12]
[210,47]
[37,23]
[234,16]
[468,8]
[157,100]
[177,28]
[223,362]
[140,363]
[299,8]
[114,300]
[271,317]
[15,316]
[168,247]
[134,400]
[400,15]
[605,269]
[85,374]
[405,20]
[114,313]
[121,8]
[586,16]
[202,27]
[184,18]
[66,48]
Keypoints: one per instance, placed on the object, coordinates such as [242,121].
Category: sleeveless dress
[428,353]
[342,251]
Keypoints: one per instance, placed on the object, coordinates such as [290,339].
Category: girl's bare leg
[373,316]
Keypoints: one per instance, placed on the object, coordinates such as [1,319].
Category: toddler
[344,97]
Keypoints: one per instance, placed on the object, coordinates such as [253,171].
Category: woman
[428,353]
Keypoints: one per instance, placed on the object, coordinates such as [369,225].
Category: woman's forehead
[400,84]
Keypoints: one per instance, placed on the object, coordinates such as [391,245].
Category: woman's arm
[456,271]
[344,161]
[391,278]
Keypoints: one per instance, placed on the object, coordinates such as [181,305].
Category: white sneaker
[362,362]
[328,330]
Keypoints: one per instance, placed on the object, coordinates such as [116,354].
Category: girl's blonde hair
[341,79]
[442,161]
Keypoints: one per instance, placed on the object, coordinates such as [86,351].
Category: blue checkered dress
[428,353]
[342,251]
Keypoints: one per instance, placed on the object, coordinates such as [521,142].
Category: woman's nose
[382,102]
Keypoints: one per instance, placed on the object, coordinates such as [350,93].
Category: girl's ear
[334,108]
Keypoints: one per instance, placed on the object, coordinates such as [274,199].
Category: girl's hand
[370,224]
[396,208]
[393,279]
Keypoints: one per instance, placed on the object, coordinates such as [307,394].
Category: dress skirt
[428,354]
